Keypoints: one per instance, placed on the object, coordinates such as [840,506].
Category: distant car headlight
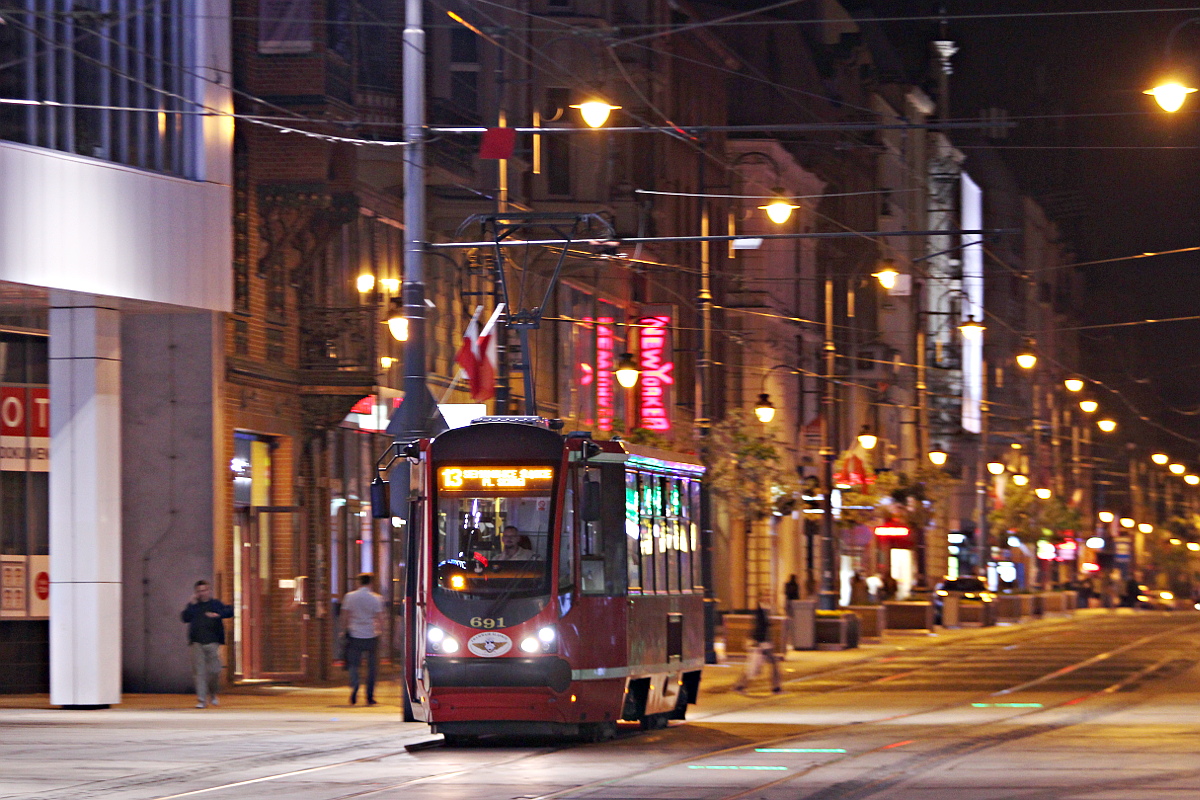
[1166,595]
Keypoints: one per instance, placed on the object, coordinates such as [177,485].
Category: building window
[274,345]
[89,66]
[241,337]
[464,71]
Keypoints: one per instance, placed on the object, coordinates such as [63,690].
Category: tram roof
[644,455]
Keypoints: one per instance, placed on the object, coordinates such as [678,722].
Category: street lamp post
[827,600]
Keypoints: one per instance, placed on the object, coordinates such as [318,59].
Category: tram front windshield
[492,553]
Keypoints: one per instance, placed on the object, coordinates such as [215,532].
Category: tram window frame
[633,550]
[694,523]
[566,542]
[683,542]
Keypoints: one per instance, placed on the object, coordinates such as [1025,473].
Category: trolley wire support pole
[418,414]
[828,596]
[704,303]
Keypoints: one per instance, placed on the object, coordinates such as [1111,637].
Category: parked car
[965,587]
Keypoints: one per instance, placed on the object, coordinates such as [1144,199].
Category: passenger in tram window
[514,546]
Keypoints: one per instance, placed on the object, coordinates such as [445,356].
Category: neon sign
[891,530]
[492,478]
[605,398]
[654,354]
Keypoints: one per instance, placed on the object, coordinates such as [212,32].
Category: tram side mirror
[380,507]
[591,502]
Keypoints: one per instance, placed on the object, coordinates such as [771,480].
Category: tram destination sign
[495,479]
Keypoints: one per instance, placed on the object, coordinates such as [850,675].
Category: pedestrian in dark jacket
[205,617]
[761,650]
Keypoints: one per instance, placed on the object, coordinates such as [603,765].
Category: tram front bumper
[550,672]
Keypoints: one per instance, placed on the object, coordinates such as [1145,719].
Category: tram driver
[513,546]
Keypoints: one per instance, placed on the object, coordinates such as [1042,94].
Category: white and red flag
[477,355]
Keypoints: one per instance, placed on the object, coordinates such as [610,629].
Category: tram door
[270,609]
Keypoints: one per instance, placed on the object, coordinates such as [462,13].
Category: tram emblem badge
[489,644]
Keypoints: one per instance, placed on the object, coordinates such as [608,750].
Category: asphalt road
[1099,707]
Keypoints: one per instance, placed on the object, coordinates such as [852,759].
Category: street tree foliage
[1029,518]
[745,466]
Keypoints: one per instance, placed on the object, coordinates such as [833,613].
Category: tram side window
[566,547]
[679,524]
[633,548]
[694,522]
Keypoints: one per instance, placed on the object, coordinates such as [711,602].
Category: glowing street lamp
[1177,469]
[365,283]
[887,274]
[1088,406]
[780,209]
[995,467]
[595,112]
[971,329]
[1105,516]
[1145,527]
[397,323]
[1042,494]
[1106,425]
[765,410]
[1027,359]
[1127,522]
[938,457]
[1073,385]
[867,439]
[1170,95]
[1191,480]
[1021,480]
[1160,458]
[627,371]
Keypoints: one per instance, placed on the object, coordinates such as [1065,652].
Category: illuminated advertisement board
[656,360]
[605,397]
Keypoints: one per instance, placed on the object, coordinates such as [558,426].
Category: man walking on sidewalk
[363,619]
[762,648]
[205,617]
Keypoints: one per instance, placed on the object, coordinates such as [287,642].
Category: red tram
[554,583]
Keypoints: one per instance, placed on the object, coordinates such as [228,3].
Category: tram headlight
[546,641]
[439,642]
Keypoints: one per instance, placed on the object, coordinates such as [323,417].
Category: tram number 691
[487,622]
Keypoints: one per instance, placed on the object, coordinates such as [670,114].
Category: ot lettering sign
[24,428]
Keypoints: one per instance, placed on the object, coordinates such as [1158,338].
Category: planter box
[979,613]
[909,615]
[1014,607]
[1054,603]
[837,633]
[871,620]
[739,626]
[802,620]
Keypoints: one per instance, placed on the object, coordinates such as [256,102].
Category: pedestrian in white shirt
[363,618]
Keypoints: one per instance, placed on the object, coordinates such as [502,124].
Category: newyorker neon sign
[654,354]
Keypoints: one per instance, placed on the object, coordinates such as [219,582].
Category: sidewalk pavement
[718,678]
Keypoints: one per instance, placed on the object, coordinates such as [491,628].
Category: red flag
[498,143]
[477,357]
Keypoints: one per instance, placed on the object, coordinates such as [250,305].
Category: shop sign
[605,398]
[24,429]
[655,360]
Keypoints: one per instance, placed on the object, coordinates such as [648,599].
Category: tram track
[979,647]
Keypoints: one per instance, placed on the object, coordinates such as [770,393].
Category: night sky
[1078,81]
